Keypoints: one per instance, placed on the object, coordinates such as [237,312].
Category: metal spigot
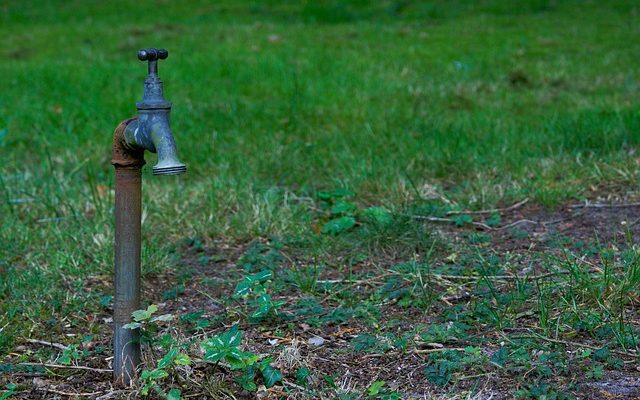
[152,131]
[149,131]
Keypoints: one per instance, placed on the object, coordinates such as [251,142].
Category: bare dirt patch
[589,223]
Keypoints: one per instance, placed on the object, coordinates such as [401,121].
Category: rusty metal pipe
[127,272]
[149,131]
[128,214]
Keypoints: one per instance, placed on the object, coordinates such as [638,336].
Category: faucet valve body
[152,130]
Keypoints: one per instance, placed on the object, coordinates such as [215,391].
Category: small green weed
[377,391]
[254,289]
[10,391]
[221,349]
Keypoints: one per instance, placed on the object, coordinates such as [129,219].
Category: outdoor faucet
[149,131]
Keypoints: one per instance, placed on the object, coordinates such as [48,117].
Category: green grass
[479,103]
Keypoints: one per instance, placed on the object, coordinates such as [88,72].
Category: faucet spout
[152,131]
[168,163]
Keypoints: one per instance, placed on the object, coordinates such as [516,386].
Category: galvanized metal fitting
[152,130]
[123,156]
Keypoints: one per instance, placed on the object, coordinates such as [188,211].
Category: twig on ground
[571,344]
[499,277]
[110,394]
[58,366]
[436,350]
[493,210]
[293,385]
[511,225]
[478,224]
[357,282]
[449,221]
[50,344]
[52,219]
[28,374]
[70,394]
[586,204]
[208,296]
[414,351]
[464,378]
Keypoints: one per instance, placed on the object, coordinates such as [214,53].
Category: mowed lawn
[284,111]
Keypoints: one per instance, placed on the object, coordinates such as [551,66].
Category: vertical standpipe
[127,271]
[128,214]
[149,131]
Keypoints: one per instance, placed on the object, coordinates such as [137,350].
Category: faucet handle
[152,54]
